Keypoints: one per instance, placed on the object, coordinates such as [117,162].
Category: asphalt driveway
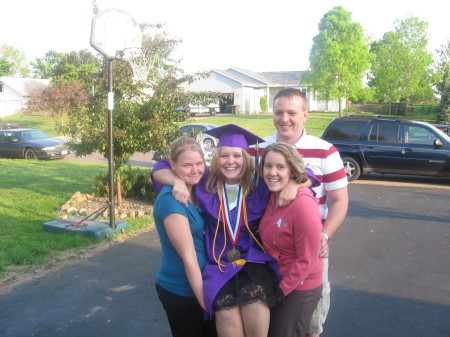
[389,274]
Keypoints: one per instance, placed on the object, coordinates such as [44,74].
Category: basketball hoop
[142,61]
[113,30]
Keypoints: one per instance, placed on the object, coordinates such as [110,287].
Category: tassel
[238,263]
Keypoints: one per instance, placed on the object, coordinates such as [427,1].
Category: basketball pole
[112,211]
[112,31]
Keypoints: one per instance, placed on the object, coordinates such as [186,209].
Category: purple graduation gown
[213,278]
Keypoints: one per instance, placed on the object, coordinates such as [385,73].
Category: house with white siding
[245,87]
[15,92]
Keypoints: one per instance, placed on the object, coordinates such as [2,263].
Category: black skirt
[254,282]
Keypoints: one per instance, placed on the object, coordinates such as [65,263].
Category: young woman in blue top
[180,228]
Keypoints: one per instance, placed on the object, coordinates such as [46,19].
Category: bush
[263,104]
[136,183]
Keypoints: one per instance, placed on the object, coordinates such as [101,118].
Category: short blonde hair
[181,144]
[293,158]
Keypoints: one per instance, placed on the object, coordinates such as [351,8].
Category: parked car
[196,130]
[6,126]
[193,109]
[31,144]
[389,145]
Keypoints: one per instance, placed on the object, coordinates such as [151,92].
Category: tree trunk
[390,108]
[405,106]
[119,189]
[340,107]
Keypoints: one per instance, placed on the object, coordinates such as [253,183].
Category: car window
[199,128]
[7,137]
[414,134]
[345,130]
[385,132]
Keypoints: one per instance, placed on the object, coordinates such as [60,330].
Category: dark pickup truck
[389,145]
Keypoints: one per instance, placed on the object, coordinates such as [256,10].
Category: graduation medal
[233,255]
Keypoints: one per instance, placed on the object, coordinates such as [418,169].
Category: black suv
[389,145]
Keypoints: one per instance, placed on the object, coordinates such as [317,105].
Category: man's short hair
[290,93]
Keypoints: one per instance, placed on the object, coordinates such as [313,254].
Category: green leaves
[400,67]
[339,57]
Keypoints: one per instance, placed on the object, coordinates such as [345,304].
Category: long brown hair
[216,177]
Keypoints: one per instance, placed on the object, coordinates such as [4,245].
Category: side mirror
[438,142]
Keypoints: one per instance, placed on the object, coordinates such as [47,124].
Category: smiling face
[289,116]
[231,163]
[189,167]
[276,171]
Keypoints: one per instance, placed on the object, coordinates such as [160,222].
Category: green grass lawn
[30,193]
[34,121]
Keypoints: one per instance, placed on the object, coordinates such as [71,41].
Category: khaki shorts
[321,311]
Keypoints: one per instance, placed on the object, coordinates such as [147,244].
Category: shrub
[263,104]
[136,183]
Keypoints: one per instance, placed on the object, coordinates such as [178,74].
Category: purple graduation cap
[234,136]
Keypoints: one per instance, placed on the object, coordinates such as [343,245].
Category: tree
[14,60]
[441,81]
[5,67]
[143,119]
[45,67]
[400,68]
[58,99]
[339,57]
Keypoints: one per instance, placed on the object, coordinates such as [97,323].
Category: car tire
[30,154]
[208,143]
[352,168]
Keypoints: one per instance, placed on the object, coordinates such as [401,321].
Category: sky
[259,35]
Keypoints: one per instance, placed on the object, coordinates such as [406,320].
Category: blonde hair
[293,158]
[216,177]
[181,144]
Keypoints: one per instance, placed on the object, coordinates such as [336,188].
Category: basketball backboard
[114,30]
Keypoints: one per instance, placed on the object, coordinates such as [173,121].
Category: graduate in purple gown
[240,280]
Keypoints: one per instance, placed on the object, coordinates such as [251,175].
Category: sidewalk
[108,294]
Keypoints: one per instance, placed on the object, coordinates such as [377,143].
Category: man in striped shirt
[290,113]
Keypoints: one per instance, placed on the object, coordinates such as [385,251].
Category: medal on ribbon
[232,225]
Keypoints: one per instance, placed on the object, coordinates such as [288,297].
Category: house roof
[252,78]
[24,86]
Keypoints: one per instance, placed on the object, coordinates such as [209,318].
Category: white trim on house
[16,92]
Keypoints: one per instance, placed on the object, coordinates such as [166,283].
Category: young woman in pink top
[292,235]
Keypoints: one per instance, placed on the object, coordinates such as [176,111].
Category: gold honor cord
[239,262]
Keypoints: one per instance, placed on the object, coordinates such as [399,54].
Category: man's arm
[336,216]
[337,210]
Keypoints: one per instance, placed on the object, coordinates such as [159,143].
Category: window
[1,87]
[385,132]
[345,130]
[418,135]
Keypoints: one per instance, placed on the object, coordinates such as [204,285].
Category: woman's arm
[307,231]
[163,174]
[179,233]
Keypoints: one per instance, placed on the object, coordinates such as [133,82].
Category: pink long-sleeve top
[291,235]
